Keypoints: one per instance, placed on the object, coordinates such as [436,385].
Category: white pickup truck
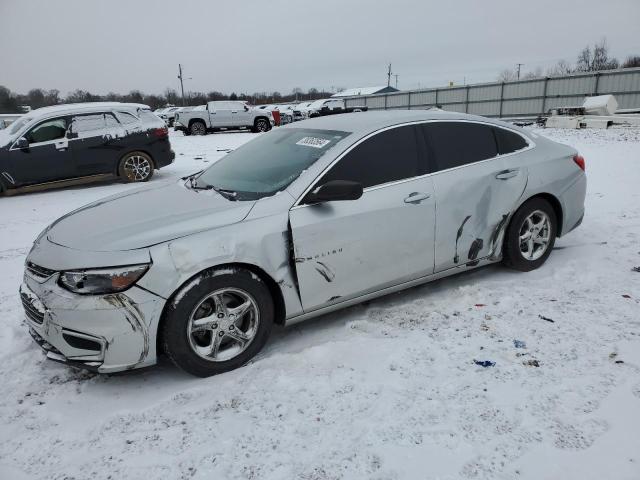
[223,115]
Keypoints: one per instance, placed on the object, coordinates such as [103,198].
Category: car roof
[365,122]
[84,107]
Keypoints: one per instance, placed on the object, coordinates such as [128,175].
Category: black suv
[70,144]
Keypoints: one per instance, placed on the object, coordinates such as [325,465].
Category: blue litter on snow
[519,344]
[485,363]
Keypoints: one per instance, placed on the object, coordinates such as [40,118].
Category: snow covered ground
[386,390]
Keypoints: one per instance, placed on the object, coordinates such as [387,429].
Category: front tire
[531,235]
[198,128]
[136,167]
[261,125]
[217,322]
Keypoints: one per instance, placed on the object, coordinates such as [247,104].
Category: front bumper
[103,333]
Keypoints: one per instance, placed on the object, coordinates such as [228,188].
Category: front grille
[39,272]
[30,309]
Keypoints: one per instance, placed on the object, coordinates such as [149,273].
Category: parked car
[77,143]
[332,106]
[301,221]
[223,115]
[286,114]
[303,107]
[169,115]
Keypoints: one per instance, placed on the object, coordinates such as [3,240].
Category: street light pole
[181,83]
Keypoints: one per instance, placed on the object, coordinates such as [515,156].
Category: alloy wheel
[262,125]
[535,235]
[137,168]
[198,128]
[223,324]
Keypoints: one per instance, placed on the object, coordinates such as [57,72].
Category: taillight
[579,159]
[160,132]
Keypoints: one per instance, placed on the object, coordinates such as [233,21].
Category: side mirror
[22,143]
[246,109]
[335,190]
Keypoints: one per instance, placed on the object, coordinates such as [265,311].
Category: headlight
[103,280]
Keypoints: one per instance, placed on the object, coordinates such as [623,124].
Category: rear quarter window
[508,141]
[126,118]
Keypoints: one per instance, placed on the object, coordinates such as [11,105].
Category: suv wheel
[261,125]
[136,167]
[218,322]
[198,128]
[531,235]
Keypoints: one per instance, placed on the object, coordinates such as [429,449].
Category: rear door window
[386,157]
[455,144]
[508,141]
[88,125]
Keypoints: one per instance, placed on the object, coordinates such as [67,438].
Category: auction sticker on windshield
[314,142]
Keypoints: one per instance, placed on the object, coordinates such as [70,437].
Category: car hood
[145,217]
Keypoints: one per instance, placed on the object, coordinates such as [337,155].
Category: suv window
[111,120]
[386,157]
[509,142]
[126,118]
[459,143]
[85,125]
[48,131]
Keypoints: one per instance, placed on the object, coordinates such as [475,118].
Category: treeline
[12,102]
[590,59]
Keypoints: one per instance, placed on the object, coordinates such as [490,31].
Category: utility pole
[395,75]
[389,76]
[519,65]
[181,83]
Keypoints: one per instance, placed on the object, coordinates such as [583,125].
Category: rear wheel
[198,128]
[531,235]
[136,167]
[221,321]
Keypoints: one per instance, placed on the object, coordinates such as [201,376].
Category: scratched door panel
[473,206]
[350,248]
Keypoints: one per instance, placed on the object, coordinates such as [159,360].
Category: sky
[278,45]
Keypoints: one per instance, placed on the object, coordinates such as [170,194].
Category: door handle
[507,174]
[416,197]
[62,145]
[234,111]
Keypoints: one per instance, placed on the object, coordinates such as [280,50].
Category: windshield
[18,124]
[268,164]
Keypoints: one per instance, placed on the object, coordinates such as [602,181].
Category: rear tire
[217,322]
[530,236]
[136,167]
[198,128]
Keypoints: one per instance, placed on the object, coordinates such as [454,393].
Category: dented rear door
[476,191]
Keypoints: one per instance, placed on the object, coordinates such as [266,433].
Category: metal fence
[522,98]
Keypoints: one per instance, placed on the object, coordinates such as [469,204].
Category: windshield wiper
[228,194]
[193,184]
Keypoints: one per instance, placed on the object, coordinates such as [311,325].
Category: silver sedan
[298,222]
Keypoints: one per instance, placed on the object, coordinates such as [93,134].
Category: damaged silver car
[298,222]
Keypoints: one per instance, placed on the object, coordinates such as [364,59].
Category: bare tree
[537,73]
[507,75]
[559,69]
[591,60]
